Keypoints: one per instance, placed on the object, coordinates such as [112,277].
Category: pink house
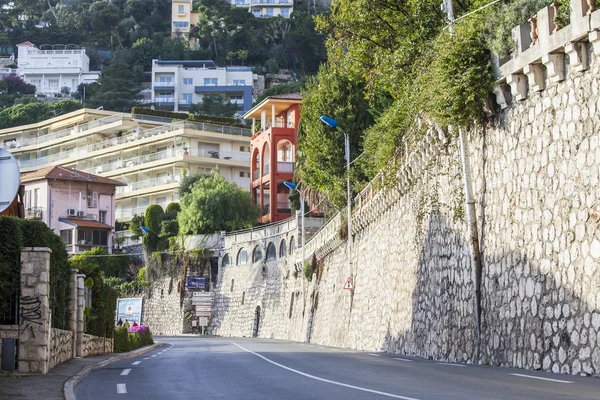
[78,206]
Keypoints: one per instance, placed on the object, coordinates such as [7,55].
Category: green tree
[215,204]
[216,105]
[117,90]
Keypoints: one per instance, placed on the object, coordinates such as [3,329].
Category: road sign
[188,315]
[349,285]
[196,282]
[204,314]
[203,321]
[203,308]
[203,294]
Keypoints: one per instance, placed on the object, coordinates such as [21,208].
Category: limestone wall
[535,173]
[61,346]
[162,310]
[95,345]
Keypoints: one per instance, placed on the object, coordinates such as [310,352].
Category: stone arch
[242,257]
[266,158]
[256,254]
[292,245]
[282,249]
[271,252]
[285,151]
[226,260]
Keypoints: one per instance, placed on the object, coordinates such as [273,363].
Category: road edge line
[69,386]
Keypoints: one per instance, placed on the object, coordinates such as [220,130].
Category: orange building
[273,151]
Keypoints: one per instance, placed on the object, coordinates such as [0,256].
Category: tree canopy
[215,204]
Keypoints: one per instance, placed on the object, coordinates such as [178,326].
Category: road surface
[241,368]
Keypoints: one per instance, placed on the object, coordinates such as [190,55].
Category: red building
[273,150]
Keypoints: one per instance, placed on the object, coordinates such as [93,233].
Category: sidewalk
[50,386]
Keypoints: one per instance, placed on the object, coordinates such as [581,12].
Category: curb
[69,387]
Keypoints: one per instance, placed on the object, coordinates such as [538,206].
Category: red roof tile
[28,44]
[288,96]
[67,174]
[85,223]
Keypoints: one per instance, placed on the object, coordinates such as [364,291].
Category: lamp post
[332,123]
[293,186]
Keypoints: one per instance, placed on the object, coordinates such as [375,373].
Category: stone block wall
[162,310]
[61,346]
[95,345]
[535,173]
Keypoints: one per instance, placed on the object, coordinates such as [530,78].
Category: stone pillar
[34,310]
[73,311]
[78,338]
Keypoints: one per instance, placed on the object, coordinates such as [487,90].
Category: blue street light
[144,229]
[293,186]
[332,123]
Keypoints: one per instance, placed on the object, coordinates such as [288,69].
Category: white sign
[203,294]
[203,321]
[201,301]
[194,323]
[203,308]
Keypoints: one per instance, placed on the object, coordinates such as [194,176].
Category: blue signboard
[130,310]
[196,282]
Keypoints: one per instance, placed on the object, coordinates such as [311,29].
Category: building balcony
[184,105]
[266,169]
[34,213]
[256,174]
[272,2]
[167,86]
[149,183]
[285,167]
[51,70]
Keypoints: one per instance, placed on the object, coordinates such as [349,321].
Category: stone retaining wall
[535,173]
[61,346]
[95,345]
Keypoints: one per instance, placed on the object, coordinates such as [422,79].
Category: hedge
[211,119]
[131,339]
[15,234]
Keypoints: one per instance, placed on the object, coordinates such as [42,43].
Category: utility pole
[448,8]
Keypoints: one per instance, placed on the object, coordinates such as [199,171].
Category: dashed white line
[126,372]
[146,358]
[451,364]
[121,388]
[154,355]
[543,379]
[375,355]
[395,396]
[136,363]
[403,359]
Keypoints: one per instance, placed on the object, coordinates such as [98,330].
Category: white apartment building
[177,84]
[150,155]
[266,8]
[54,68]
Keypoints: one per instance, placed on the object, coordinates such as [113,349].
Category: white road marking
[375,355]
[146,358]
[543,379]
[452,365]
[121,388]
[136,363]
[403,359]
[395,396]
[154,355]
[126,371]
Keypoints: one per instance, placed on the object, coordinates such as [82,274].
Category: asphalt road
[231,368]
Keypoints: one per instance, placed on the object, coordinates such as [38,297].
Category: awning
[85,223]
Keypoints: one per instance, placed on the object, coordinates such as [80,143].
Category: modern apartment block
[273,148]
[266,8]
[49,70]
[78,206]
[148,154]
[177,84]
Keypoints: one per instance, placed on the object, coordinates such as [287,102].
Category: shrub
[132,338]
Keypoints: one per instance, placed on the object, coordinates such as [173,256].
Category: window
[211,81]
[53,83]
[187,98]
[242,257]
[244,174]
[102,216]
[188,81]
[226,260]
[282,249]
[180,9]
[239,82]
[165,80]
[95,238]
[285,13]
[269,12]
[67,236]
[161,200]
[92,199]
[74,84]
[36,82]
[256,254]
[271,252]
[36,197]
[245,149]
[180,24]
[292,245]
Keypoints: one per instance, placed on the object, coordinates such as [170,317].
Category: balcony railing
[130,212]
[22,142]
[34,213]
[266,169]
[284,166]
[271,2]
[165,180]
[284,207]
[266,209]
[256,174]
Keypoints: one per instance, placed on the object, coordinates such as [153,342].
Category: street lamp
[332,123]
[293,186]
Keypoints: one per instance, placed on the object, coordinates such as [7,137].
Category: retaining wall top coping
[36,249]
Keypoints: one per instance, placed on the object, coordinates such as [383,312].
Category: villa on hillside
[147,153]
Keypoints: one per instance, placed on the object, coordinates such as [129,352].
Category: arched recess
[285,151]
[292,245]
[282,249]
[271,252]
[226,260]
[242,257]
[256,254]
[256,162]
[266,159]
